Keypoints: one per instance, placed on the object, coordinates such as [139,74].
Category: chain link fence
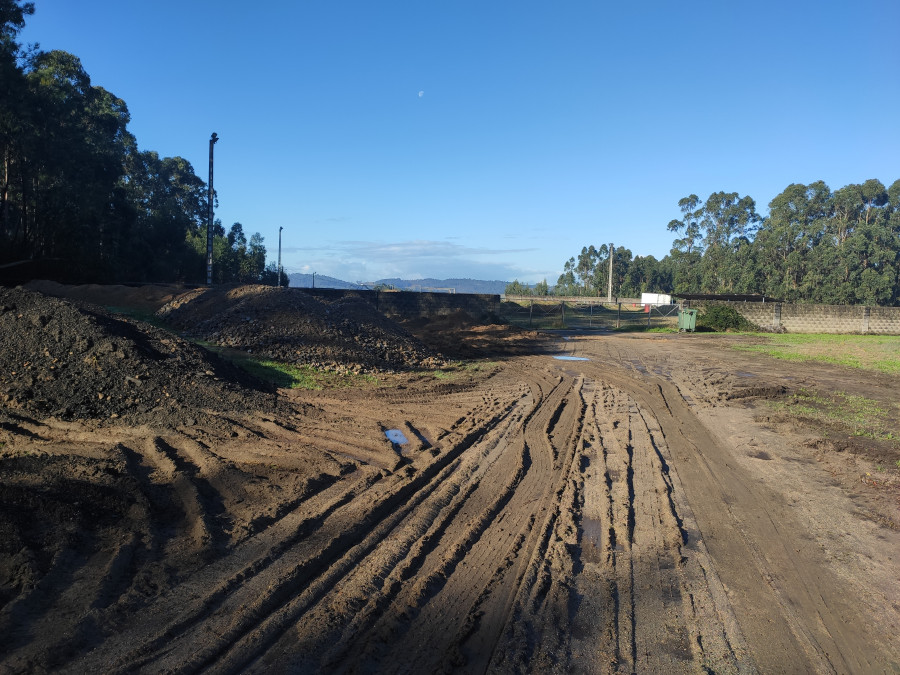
[585,314]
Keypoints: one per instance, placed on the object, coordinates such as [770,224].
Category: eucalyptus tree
[585,268]
[709,232]
[645,274]
[169,238]
[787,237]
[567,284]
[13,101]
[74,147]
[687,250]
[516,287]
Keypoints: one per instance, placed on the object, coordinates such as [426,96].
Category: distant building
[656,299]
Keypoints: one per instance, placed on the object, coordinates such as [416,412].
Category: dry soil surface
[635,507]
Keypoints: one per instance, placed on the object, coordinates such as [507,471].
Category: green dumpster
[687,320]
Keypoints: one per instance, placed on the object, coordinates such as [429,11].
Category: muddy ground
[638,507]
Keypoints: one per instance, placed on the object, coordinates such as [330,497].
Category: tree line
[815,245]
[78,194]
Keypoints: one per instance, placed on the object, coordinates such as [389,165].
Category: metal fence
[574,314]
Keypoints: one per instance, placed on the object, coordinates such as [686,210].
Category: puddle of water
[396,436]
[744,374]
[571,358]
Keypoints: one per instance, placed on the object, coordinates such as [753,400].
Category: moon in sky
[421,94]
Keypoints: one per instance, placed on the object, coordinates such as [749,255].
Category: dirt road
[628,512]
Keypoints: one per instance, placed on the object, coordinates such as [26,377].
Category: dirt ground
[638,506]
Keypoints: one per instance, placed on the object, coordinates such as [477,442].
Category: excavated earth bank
[643,510]
[291,326]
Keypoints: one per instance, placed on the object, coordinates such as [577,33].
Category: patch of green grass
[880,353]
[642,328]
[455,368]
[477,366]
[857,415]
[146,316]
[291,376]
[631,328]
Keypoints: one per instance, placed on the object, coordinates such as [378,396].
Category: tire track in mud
[416,568]
[782,606]
[545,535]
[612,590]
[254,602]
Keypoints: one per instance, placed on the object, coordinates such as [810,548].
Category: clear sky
[491,139]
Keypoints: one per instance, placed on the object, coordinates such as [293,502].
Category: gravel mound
[289,325]
[73,360]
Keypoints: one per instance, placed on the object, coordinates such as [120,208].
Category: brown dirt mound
[146,297]
[287,324]
[459,335]
[76,361]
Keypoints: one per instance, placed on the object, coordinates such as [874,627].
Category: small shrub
[723,318]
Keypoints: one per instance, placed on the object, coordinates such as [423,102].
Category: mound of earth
[459,335]
[289,325]
[76,361]
[142,298]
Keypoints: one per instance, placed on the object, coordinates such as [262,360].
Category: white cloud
[369,261]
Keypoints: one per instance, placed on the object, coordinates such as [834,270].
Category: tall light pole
[609,285]
[279,255]
[209,219]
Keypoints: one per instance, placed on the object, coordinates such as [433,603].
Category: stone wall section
[412,305]
[820,318]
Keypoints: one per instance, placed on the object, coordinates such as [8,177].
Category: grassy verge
[879,353]
[856,415]
[289,375]
[146,316]
[458,368]
[642,328]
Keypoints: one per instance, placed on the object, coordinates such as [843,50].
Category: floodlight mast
[609,285]
[209,219]
[279,256]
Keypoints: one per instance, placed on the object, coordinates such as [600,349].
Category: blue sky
[491,139]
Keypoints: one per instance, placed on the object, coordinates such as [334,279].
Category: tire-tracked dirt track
[546,516]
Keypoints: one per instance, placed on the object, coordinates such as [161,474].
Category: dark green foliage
[516,287]
[722,318]
[270,275]
[78,197]
[814,246]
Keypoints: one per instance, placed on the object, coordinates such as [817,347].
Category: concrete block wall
[795,318]
[410,305]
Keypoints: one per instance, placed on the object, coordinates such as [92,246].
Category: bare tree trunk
[4,197]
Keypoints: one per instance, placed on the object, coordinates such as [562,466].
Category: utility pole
[209,219]
[314,280]
[279,255]
[609,285]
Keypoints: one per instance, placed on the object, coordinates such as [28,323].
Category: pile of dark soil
[76,361]
[289,325]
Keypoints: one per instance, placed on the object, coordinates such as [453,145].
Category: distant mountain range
[457,285]
[298,280]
